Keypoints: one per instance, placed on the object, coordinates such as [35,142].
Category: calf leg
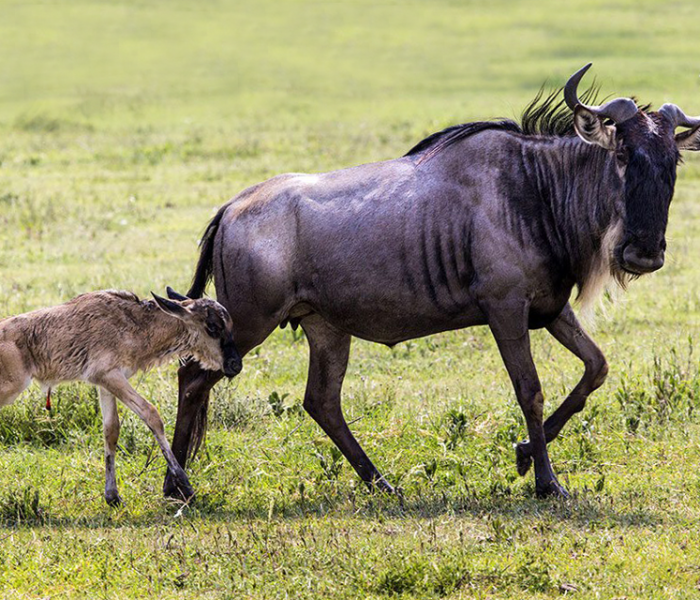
[117,384]
[567,330]
[110,428]
[329,350]
[510,330]
[14,378]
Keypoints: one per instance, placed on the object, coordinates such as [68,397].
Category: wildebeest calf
[104,338]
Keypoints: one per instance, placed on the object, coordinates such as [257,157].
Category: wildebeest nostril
[640,263]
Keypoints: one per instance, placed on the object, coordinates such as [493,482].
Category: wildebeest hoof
[169,488]
[187,493]
[113,498]
[523,458]
[553,490]
[178,490]
[381,485]
[183,490]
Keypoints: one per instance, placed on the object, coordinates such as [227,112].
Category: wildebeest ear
[592,129]
[173,295]
[172,308]
[689,140]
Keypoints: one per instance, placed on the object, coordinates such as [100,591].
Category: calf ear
[689,140]
[172,308]
[592,129]
[173,295]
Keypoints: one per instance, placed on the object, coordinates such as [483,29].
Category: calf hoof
[112,498]
[551,490]
[523,458]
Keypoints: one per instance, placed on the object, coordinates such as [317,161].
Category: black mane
[442,139]
[544,115]
[550,116]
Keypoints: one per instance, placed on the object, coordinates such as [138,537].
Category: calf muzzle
[233,366]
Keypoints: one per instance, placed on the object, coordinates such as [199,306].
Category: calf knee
[153,420]
[111,432]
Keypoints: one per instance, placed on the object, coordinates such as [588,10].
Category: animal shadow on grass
[25,506]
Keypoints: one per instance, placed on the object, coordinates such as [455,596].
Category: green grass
[123,125]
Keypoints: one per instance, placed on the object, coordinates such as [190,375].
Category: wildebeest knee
[597,370]
[321,407]
[310,406]
[579,403]
[532,405]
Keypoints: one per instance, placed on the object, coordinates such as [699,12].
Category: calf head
[210,331]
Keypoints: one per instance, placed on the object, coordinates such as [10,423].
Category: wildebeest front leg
[329,353]
[110,428]
[117,384]
[568,331]
[513,339]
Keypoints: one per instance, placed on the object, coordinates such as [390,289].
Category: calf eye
[212,330]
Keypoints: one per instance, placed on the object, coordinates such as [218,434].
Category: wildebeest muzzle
[639,259]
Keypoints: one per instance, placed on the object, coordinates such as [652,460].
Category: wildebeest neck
[583,190]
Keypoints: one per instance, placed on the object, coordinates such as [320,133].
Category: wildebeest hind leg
[194,386]
[568,332]
[195,383]
[329,352]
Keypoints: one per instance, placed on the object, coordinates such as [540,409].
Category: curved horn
[571,87]
[677,117]
[617,110]
[173,295]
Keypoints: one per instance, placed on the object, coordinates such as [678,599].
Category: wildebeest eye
[212,329]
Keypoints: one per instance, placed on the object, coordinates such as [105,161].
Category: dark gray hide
[482,224]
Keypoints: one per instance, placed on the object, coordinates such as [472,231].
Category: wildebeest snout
[639,260]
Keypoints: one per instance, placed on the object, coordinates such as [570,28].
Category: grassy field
[123,125]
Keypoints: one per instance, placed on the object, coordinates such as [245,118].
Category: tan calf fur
[106,337]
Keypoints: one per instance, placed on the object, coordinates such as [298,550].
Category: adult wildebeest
[487,223]
[106,337]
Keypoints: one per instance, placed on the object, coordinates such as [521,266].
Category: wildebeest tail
[199,429]
[205,265]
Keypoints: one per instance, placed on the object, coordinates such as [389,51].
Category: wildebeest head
[646,150]
[213,344]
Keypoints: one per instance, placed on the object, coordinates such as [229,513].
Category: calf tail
[205,265]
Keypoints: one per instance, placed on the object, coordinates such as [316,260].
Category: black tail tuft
[205,264]
[199,429]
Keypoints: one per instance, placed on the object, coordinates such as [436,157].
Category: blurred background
[125,123]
